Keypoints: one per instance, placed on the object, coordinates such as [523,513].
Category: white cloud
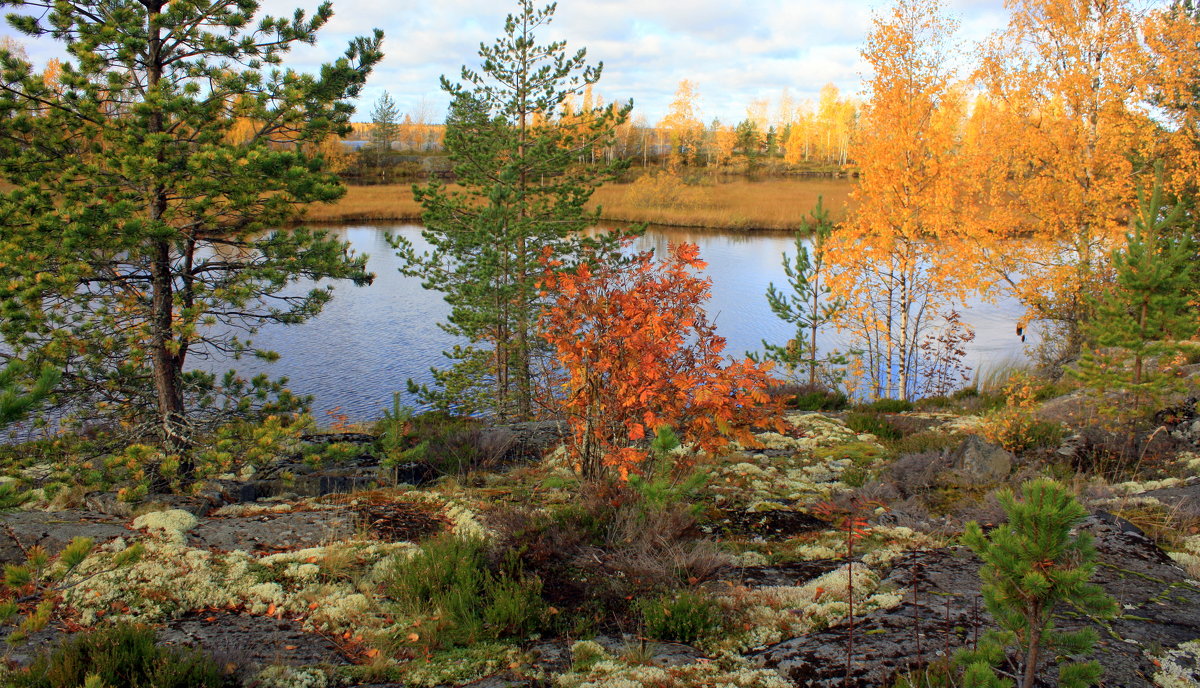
[735,50]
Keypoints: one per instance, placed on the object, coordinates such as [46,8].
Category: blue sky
[736,51]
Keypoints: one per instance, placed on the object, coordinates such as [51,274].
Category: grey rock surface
[252,641]
[54,530]
[943,611]
[977,462]
[272,532]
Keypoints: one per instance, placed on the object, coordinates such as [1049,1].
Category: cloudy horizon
[735,51]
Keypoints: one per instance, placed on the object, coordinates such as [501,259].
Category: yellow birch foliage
[1059,147]
[1173,37]
[682,124]
[724,143]
[891,258]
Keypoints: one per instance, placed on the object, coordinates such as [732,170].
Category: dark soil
[401,521]
[776,524]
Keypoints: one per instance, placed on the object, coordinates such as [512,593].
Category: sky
[736,51]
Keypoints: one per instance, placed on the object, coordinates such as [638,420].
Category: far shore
[739,205]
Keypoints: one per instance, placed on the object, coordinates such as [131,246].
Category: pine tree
[808,307]
[385,129]
[1142,319]
[1031,565]
[522,191]
[137,237]
[17,400]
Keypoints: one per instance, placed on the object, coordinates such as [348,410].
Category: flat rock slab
[250,642]
[274,532]
[943,611]
[793,573]
[1186,498]
[247,642]
[54,530]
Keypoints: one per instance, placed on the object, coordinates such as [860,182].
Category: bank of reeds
[773,204]
[378,203]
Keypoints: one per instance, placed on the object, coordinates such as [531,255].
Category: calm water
[370,340]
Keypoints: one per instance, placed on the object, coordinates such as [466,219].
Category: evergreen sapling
[1032,564]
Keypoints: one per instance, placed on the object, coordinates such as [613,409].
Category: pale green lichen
[172,525]
[1178,668]
[1134,487]
[611,673]
[253,509]
[171,580]
[771,614]
[464,520]
[290,677]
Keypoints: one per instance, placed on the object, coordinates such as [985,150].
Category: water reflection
[370,340]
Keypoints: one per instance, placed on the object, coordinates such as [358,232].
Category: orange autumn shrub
[638,352]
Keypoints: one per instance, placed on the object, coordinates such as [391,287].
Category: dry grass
[773,204]
[369,204]
[776,204]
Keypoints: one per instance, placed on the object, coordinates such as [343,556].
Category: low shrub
[660,190]
[806,397]
[819,401]
[888,406]
[874,424]
[451,445]
[683,617]
[457,599]
[125,656]
[1019,431]
[927,441]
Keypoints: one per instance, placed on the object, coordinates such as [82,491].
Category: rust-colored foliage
[638,353]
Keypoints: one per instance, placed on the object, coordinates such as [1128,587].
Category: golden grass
[775,204]
[368,204]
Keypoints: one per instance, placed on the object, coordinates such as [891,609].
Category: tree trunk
[166,354]
[1029,677]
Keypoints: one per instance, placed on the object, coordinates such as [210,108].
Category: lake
[370,340]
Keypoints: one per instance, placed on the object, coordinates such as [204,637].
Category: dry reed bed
[776,204]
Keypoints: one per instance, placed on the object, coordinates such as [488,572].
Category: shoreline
[743,206]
